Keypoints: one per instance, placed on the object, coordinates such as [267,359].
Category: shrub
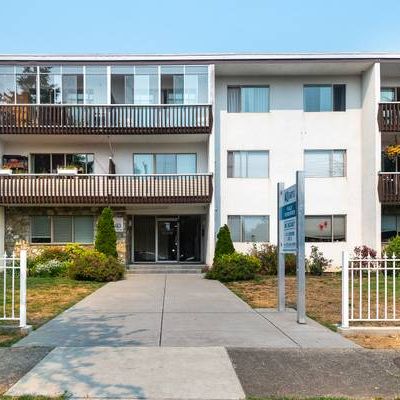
[51,253]
[316,263]
[50,268]
[364,252]
[106,238]
[74,249]
[91,265]
[224,243]
[234,267]
[393,247]
[267,254]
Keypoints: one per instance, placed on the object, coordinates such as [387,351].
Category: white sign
[287,220]
[119,224]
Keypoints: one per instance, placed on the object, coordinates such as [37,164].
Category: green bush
[50,268]
[106,238]
[267,254]
[316,263]
[234,267]
[224,243]
[50,253]
[91,265]
[393,247]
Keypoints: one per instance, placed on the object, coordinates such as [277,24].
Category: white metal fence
[370,289]
[13,288]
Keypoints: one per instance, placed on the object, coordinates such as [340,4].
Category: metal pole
[281,257]
[22,289]
[345,290]
[300,256]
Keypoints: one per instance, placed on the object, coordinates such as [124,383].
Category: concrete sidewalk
[176,310]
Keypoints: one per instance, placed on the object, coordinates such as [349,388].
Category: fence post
[345,290]
[22,289]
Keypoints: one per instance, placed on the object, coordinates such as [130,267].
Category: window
[26,79]
[50,85]
[122,85]
[390,94]
[249,228]
[196,85]
[248,164]
[324,163]
[248,99]
[319,98]
[62,229]
[96,85]
[7,85]
[146,85]
[49,163]
[165,163]
[390,227]
[325,228]
[72,85]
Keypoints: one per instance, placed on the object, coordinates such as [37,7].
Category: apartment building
[178,145]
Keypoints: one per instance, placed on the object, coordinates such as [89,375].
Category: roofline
[211,57]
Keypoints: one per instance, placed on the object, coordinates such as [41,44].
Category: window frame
[242,227]
[155,163]
[31,163]
[332,87]
[52,242]
[240,87]
[331,159]
[332,218]
[247,164]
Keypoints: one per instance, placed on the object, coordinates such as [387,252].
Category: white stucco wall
[286,131]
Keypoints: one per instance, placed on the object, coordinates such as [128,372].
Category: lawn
[323,298]
[46,298]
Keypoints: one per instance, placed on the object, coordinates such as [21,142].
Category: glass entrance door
[167,240]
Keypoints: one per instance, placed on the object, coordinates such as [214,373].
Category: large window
[324,98]
[325,228]
[50,85]
[165,163]
[324,163]
[196,85]
[146,86]
[96,85]
[248,99]
[390,94]
[62,229]
[7,85]
[26,80]
[390,226]
[72,85]
[48,163]
[249,228]
[248,164]
[172,84]
[122,85]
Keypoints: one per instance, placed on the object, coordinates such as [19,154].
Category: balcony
[389,117]
[49,189]
[389,187]
[61,119]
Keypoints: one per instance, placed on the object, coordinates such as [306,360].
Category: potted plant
[67,170]
[392,151]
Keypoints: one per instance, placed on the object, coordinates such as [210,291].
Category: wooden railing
[43,189]
[389,187]
[389,117]
[105,119]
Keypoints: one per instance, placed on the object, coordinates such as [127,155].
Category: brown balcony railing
[47,189]
[389,187]
[105,119]
[389,117]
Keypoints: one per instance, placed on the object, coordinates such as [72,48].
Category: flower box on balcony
[5,171]
[67,171]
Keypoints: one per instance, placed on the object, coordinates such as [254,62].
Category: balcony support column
[2,230]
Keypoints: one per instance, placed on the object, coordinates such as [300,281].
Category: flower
[393,151]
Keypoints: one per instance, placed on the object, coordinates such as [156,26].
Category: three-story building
[179,145]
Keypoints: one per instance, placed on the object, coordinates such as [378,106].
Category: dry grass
[48,297]
[323,298]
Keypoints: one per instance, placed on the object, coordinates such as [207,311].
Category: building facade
[180,145]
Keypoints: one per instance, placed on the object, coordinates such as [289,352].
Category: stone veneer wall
[17,228]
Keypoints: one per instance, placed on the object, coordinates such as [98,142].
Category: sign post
[291,240]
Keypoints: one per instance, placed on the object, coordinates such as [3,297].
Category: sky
[198,26]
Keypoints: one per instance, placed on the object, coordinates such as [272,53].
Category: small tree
[224,243]
[106,238]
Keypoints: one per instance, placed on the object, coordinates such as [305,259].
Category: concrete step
[165,268]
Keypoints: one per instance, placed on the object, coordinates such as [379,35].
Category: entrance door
[167,240]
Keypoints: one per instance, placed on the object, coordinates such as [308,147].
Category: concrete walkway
[164,337]
[176,311]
